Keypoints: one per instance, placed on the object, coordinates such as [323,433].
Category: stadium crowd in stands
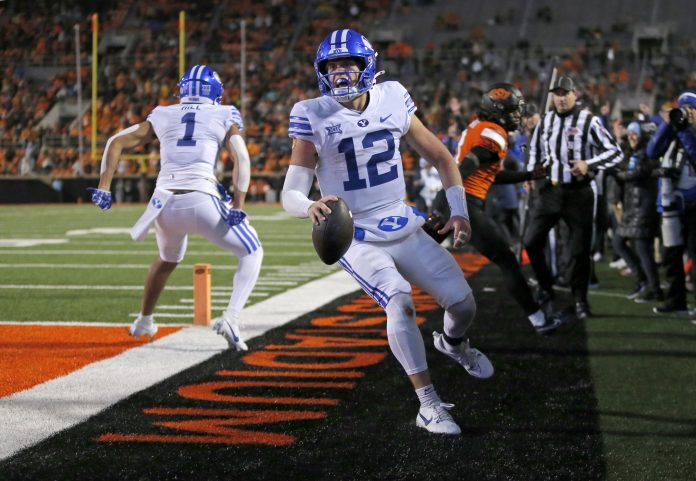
[445,79]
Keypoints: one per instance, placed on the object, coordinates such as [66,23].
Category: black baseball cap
[563,83]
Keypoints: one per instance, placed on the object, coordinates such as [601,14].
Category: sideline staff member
[572,144]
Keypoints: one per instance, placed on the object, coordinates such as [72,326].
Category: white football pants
[387,269]
[204,214]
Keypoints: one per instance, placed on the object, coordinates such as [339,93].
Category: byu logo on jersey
[363,122]
[392,223]
[157,203]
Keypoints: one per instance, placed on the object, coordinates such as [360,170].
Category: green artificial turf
[94,260]
[613,397]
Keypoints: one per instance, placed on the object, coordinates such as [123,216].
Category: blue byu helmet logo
[392,223]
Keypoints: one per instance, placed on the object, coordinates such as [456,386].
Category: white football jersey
[359,157]
[190,137]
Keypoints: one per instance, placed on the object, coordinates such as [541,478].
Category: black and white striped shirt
[576,135]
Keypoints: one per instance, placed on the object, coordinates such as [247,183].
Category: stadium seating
[418,42]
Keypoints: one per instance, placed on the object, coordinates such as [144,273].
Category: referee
[571,143]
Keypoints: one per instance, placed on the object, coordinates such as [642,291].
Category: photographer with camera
[675,142]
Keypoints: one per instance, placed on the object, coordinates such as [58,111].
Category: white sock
[231,316]
[538,318]
[146,319]
[427,395]
[245,278]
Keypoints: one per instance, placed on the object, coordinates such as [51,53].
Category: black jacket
[640,218]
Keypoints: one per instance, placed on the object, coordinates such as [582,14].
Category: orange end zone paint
[308,359]
[31,354]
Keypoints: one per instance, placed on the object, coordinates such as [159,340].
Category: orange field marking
[350,360]
[469,262]
[32,354]
[218,429]
[301,374]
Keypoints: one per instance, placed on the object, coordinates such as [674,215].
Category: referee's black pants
[575,205]
[488,238]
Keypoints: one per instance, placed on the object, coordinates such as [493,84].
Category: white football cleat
[436,419]
[230,331]
[474,361]
[140,328]
[551,323]
[618,264]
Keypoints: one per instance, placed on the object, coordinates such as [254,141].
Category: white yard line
[290,275]
[30,242]
[31,416]
[228,290]
[280,271]
[127,243]
[87,287]
[85,252]
[126,288]
[175,307]
[58,265]
[272,282]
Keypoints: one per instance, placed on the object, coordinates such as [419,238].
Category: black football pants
[489,239]
[575,205]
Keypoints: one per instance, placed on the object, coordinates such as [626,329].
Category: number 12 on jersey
[347,148]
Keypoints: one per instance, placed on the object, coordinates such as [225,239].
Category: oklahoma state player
[482,148]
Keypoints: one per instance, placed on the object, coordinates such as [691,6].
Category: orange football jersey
[491,137]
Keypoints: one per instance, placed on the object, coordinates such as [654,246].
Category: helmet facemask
[345,85]
[513,118]
[345,44]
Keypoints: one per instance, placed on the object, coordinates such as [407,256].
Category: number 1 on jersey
[190,120]
[354,181]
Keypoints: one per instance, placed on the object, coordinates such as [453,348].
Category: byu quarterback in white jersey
[356,128]
[187,198]
[367,172]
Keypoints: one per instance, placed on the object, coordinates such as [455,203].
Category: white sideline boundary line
[28,417]
[84,324]
[130,252]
